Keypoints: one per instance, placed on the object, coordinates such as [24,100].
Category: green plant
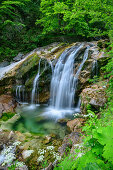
[94,80]
[44,164]
[7,116]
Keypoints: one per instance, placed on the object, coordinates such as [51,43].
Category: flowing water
[64,83]
[7,69]
[35,84]
[32,120]
[43,119]
[18,93]
[94,68]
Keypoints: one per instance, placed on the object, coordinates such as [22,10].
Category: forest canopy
[27,24]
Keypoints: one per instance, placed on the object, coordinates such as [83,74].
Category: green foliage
[94,80]
[27,24]
[87,18]
[7,116]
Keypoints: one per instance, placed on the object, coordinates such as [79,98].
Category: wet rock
[63,121]
[103,60]
[11,135]
[102,43]
[47,139]
[5,140]
[75,124]
[94,95]
[18,57]
[68,142]
[4,64]
[2,168]
[7,104]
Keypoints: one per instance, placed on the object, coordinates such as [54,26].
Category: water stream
[94,68]
[35,84]
[43,119]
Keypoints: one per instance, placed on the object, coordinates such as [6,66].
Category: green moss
[7,116]
[28,65]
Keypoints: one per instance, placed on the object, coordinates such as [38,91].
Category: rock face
[20,78]
[69,141]
[6,138]
[25,71]
[18,57]
[4,64]
[91,68]
[75,124]
[7,104]
[94,95]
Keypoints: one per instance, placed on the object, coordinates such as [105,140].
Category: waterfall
[75,82]
[35,90]
[51,64]
[94,68]
[63,83]
[35,84]
[20,93]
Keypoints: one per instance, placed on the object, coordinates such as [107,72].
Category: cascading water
[51,64]
[20,93]
[35,90]
[64,82]
[94,68]
[35,84]
[78,72]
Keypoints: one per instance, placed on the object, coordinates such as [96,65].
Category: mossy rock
[102,44]
[103,61]
[28,66]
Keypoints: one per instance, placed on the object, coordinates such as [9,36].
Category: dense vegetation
[27,24]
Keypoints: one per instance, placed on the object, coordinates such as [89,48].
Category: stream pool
[42,120]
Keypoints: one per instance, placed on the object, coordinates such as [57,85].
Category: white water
[5,70]
[20,96]
[75,82]
[62,84]
[51,64]
[94,68]
[18,92]
[35,85]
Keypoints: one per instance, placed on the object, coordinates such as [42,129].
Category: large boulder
[4,64]
[94,95]
[74,125]
[7,104]
[69,141]
[18,57]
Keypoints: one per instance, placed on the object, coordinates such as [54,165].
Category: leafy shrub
[7,116]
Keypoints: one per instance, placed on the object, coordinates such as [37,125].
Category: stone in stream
[75,124]
[4,64]
[18,57]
